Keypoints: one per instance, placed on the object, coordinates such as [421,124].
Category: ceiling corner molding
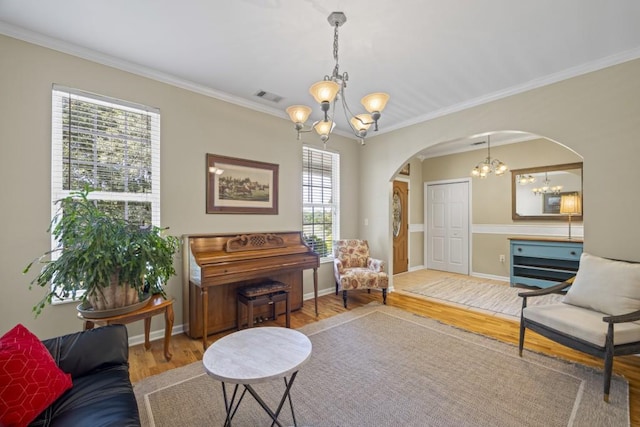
[589,67]
[110,61]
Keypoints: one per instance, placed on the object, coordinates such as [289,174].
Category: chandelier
[331,89]
[489,165]
[547,188]
[525,179]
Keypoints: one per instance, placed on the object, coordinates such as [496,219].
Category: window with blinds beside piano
[320,200]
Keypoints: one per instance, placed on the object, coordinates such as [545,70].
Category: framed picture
[551,203]
[406,170]
[239,186]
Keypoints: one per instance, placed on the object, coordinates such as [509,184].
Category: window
[320,200]
[113,147]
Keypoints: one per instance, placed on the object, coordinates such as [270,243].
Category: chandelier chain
[335,52]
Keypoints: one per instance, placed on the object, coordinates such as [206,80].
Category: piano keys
[215,265]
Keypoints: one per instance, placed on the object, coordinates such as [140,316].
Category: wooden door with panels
[400,218]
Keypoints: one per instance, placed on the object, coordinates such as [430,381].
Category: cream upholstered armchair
[355,269]
[600,313]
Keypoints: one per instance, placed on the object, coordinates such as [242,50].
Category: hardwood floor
[185,350]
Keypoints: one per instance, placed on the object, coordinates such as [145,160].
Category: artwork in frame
[551,202]
[406,169]
[240,186]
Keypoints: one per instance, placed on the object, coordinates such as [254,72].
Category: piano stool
[266,293]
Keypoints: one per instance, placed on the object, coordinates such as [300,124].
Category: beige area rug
[381,366]
[478,294]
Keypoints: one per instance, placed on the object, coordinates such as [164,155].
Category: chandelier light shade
[324,91]
[330,91]
[488,165]
[324,129]
[299,113]
[362,121]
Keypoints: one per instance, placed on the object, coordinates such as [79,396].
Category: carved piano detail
[247,242]
[215,265]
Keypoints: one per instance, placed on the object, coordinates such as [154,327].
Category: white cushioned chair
[355,269]
[598,314]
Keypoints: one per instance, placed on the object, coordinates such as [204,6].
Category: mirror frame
[516,172]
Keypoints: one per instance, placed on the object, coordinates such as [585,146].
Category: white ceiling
[432,56]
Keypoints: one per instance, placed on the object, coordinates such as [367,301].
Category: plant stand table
[257,355]
[157,305]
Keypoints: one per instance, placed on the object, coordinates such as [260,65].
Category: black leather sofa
[102,394]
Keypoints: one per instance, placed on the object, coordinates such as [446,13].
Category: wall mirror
[536,192]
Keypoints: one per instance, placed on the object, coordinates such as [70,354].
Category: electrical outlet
[502,258]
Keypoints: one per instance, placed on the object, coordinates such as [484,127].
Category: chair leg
[522,328]
[384,296]
[368,291]
[344,298]
[608,362]
[521,342]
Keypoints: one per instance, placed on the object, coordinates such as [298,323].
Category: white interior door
[447,218]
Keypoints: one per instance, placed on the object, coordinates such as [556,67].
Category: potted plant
[102,259]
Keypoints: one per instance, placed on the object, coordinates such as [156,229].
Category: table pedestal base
[232,406]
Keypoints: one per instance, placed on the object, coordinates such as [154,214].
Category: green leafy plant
[96,247]
[317,245]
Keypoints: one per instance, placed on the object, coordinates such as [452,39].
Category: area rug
[479,294]
[381,366]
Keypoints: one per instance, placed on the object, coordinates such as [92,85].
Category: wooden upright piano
[215,265]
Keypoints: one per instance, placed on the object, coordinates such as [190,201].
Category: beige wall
[595,114]
[191,125]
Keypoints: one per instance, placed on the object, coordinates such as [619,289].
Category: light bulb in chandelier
[375,103]
[324,128]
[331,91]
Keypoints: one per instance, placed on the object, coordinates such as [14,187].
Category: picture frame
[406,169]
[551,202]
[241,186]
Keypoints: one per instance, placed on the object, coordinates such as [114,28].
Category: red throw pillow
[30,380]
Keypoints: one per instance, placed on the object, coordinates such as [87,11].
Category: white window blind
[110,145]
[320,200]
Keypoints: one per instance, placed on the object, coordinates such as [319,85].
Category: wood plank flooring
[185,350]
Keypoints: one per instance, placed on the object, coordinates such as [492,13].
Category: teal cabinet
[543,262]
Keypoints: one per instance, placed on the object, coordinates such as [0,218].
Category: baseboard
[491,277]
[155,335]
[178,329]
[321,292]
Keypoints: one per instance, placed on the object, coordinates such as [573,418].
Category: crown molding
[586,68]
[108,60]
[130,67]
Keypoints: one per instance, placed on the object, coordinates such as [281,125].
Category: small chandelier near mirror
[525,179]
[547,188]
[489,165]
[326,92]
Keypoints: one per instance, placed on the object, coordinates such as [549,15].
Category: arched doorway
[490,221]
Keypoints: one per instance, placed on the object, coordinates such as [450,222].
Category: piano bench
[267,293]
